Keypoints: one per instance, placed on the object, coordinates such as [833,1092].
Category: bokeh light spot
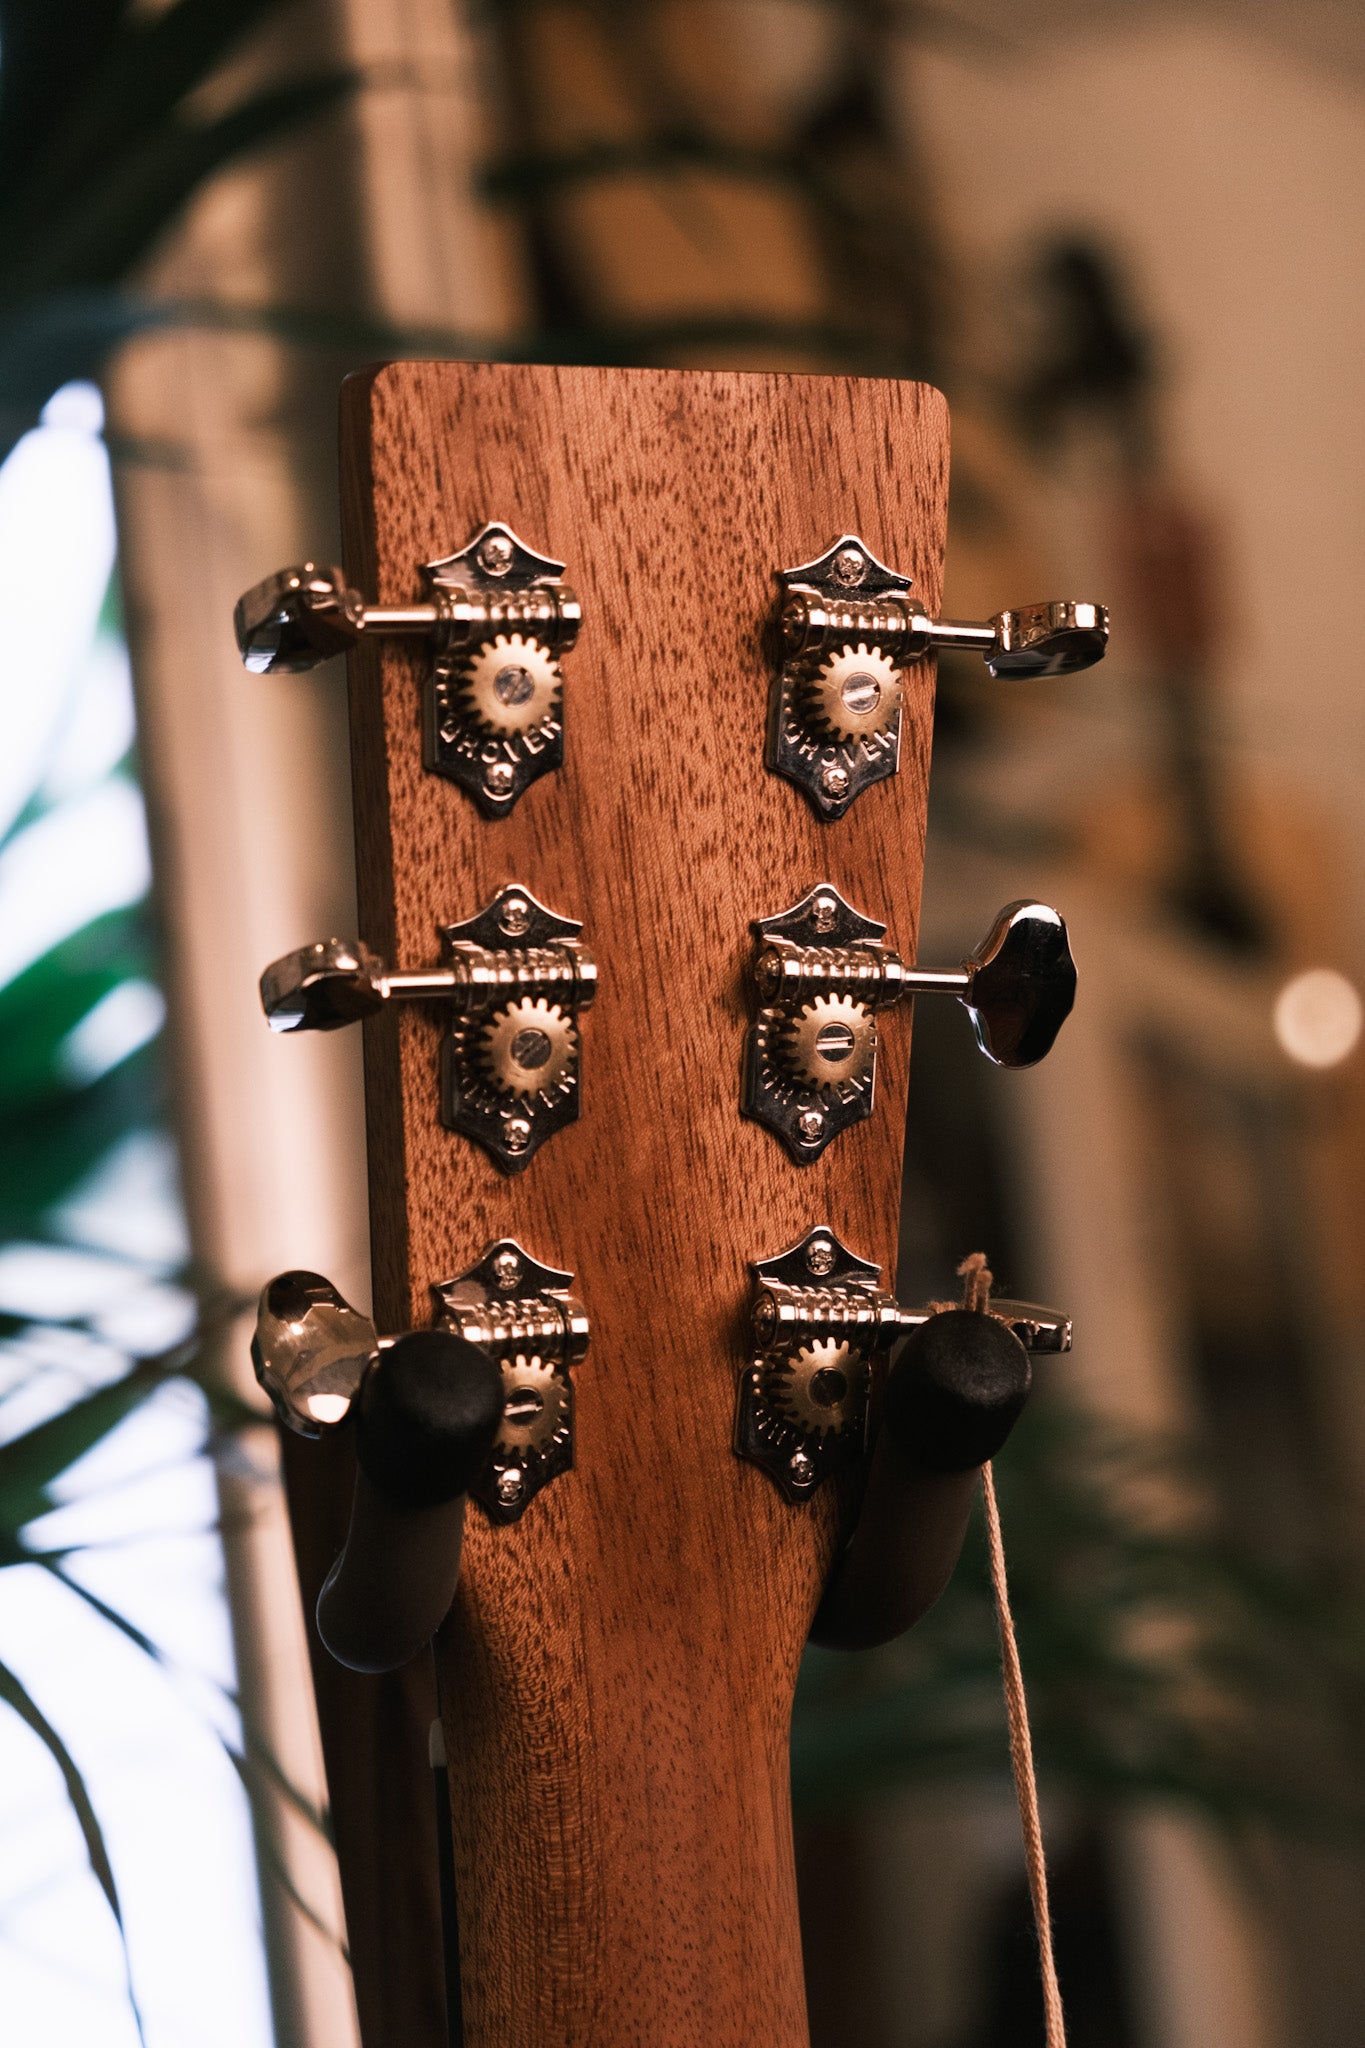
[1318,1016]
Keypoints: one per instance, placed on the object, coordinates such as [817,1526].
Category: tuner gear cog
[817,1390]
[536,1400]
[528,1048]
[853,695]
[833,1039]
[510,685]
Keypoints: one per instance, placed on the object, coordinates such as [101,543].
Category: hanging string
[976,1277]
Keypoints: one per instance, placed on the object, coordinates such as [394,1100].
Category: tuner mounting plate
[810,1067]
[510,1059]
[494,696]
[524,1316]
[819,1316]
[834,723]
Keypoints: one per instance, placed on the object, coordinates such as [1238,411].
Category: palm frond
[1162,1660]
[17,1697]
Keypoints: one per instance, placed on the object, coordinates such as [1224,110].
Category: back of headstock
[617,1670]
[617,1673]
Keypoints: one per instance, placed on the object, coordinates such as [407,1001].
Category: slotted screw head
[297,618]
[1022,986]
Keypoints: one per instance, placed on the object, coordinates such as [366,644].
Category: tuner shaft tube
[400,618]
[949,635]
[421,984]
[930,981]
[480,978]
[426,1416]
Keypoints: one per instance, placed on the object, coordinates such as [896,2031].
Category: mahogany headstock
[617,1671]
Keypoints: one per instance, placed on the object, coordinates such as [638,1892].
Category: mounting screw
[516,917]
[834,780]
[825,911]
[516,1133]
[810,1124]
[510,1485]
[801,1468]
[850,567]
[507,1270]
[495,555]
[497,778]
[819,1257]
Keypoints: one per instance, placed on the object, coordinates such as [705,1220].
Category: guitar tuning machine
[496,618]
[820,1319]
[311,1351]
[849,628]
[822,973]
[515,981]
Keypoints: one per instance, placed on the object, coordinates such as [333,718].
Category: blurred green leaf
[1161,1660]
[30,1463]
[50,1147]
[101,146]
[47,54]
[115,225]
[148,68]
[16,1696]
[41,1005]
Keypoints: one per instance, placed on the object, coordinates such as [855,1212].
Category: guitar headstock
[545,815]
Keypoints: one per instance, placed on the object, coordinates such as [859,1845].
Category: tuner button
[297,618]
[1021,985]
[1048,639]
[310,1350]
[322,987]
[430,1407]
[955,1390]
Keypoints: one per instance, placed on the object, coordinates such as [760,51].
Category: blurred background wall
[1124,240]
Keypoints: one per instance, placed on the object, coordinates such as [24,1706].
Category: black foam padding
[955,1389]
[428,1412]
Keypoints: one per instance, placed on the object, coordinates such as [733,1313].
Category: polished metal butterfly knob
[850,629]
[495,618]
[822,973]
[512,985]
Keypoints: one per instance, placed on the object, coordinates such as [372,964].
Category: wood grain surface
[617,1672]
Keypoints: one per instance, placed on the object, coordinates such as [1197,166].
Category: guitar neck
[617,1673]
